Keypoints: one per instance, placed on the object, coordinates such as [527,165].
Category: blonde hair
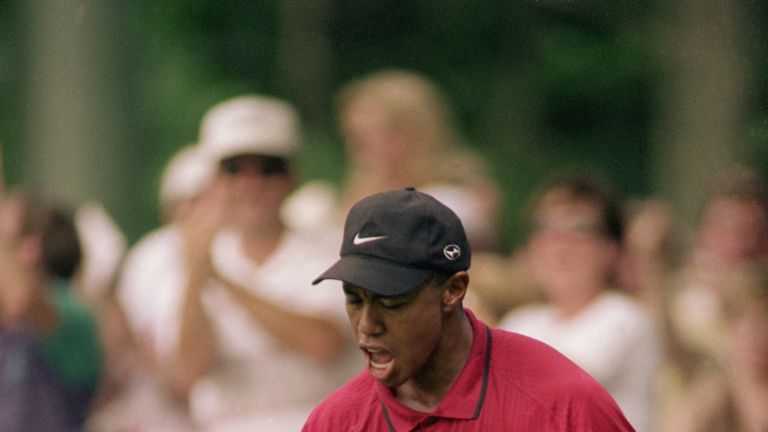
[413,104]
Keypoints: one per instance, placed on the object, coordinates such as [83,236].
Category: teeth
[374,364]
[378,365]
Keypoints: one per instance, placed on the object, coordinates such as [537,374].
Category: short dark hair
[54,223]
[585,187]
[439,278]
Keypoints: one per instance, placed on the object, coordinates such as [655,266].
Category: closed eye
[353,299]
[394,302]
[394,306]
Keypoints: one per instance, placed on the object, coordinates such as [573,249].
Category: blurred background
[95,96]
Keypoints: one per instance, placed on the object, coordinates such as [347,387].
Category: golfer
[430,363]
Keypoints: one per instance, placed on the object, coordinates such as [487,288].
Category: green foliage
[10,93]
[537,85]
[535,88]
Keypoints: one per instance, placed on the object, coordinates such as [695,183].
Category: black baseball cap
[393,241]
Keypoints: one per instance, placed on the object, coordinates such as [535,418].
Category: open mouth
[379,359]
[380,362]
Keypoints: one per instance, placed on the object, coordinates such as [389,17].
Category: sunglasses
[266,166]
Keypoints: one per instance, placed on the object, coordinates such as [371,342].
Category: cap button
[410,188]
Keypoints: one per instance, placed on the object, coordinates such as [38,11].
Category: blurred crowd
[209,322]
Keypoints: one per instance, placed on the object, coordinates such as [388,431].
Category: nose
[368,323]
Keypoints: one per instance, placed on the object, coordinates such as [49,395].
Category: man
[248,348]
[431,365]
[50,359]
[573,253]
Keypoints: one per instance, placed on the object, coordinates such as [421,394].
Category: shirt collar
[465,397]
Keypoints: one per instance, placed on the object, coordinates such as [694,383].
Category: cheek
[353,319]
[421,329]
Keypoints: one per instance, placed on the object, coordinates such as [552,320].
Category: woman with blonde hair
[399,130]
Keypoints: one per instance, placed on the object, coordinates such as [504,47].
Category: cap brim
[379,277]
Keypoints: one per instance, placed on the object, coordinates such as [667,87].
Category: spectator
[156,261]
[686,297]
[399,130]
[732,393]
[573,251]
[50,359]
[732,231]
[245,343]
[431,364]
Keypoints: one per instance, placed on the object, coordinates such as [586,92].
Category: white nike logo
[361,240]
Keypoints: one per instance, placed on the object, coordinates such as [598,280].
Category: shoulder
[530,370]
[153,249]
[347,408]
[622,304]
[157,239]
[311,207]
[525,316]
[532,365]
[73,348]
[526,355]
[623,315]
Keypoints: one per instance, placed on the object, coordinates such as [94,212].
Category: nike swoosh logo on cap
[361,240]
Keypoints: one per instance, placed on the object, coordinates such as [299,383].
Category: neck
[572,306]
[424,391]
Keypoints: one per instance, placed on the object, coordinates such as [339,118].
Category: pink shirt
[509,383]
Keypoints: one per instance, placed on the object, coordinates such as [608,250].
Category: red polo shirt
[509,383]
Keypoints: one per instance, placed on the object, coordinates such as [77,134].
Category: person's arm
[317,337]
[197,347]
[647,255]
[196,350]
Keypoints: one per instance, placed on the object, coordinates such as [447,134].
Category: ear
[453,291]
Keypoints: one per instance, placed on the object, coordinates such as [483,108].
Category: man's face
[396,334]
[257,186]
[568,248]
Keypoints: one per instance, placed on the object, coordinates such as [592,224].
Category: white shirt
[149,288]
[613,339]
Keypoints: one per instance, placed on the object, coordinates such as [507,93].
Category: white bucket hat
[250,124]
